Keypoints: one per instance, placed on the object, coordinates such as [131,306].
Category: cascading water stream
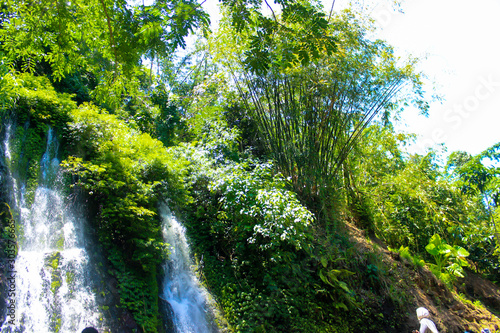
[8,157]
[182,289]
[51,291]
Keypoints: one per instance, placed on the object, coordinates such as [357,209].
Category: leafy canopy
[312,107]
[108,38]
[298,35]
[125,174]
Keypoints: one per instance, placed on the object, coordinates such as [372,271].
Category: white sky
[460,41]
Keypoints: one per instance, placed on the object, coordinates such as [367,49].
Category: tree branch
[110,29]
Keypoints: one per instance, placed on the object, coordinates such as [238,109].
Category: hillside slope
[475,300]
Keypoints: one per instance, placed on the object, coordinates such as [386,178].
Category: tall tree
[403,199]
[476,178]
[312,102]
[109,38]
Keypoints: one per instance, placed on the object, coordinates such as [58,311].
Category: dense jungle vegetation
[272,139]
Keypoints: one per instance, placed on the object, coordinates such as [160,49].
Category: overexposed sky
[459,42]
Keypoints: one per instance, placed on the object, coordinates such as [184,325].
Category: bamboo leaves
[312,103]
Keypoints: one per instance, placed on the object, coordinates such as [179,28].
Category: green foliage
[407,198]
[104,37]
[306,88]
[37,102]
[256,243]
[220,144]
[169,121]
[449,259]
[405,253]
[126,173]
[477,177]
[310,115]
[34,107]
[261,210]
[298,36]
[410,199]
[7,85]
[79,84]
[52,261]
[334,278]
[138,290]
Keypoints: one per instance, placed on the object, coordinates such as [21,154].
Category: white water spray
[51,293]
[182,289]
[50,162]
[8,159]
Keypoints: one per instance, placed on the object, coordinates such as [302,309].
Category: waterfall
[52,292]
[50,162]
[182,289]
[8,159]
